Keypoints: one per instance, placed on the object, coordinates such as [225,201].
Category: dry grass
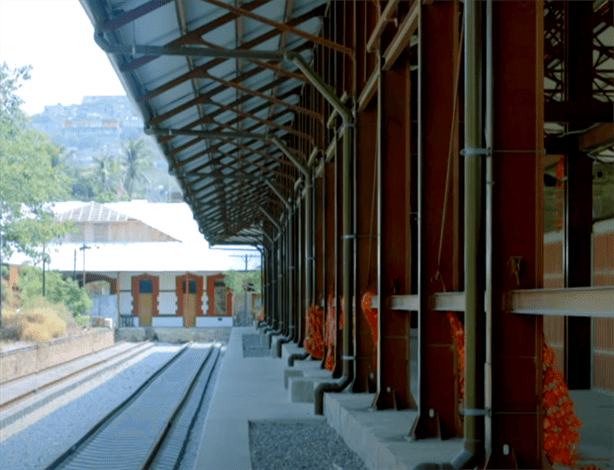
[39,321]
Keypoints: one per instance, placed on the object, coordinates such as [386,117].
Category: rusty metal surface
[437,359]
[393,389]
[518,232]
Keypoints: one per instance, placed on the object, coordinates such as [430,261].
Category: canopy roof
[216,117]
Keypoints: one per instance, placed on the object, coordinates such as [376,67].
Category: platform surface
[250,389]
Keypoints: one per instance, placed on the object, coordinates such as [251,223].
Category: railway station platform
[251,389]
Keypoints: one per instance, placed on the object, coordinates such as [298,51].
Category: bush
[57,290]
[82,320]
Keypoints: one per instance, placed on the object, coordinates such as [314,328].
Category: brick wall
[603,275]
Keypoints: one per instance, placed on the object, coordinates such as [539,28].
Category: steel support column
[393,382]
[579,194]
[517,220]
[439,391]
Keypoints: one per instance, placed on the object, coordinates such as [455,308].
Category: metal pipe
[206,134]
[129,49]
[286,151]
[278,194]
[312,157]
[289,330]
[489,138]
[347,125]
[473,440]
[271,218]
[300,314]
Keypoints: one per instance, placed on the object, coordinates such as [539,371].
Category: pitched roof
[92,212]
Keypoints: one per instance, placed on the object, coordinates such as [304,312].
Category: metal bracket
[352,236]
[348,358]
[476,412]
[349,124]
[476,151]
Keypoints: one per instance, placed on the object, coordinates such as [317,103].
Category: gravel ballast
[191,451]
[252,347]
[43,441]
[302,444]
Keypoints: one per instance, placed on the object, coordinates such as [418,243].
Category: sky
[57,38]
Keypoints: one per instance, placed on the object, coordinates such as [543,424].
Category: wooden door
[189,303]
[145,301]
[145,304]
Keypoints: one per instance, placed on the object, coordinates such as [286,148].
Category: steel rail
[37,390]
[190,427]
[115,412]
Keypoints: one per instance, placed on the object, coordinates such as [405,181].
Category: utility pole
[83,248]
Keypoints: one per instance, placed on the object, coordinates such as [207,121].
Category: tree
[57,290]
[137,159]
[242,281]
[29,182]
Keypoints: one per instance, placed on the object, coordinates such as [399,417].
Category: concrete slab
[379,437]
[596,411]
[289,349]
[247,389]
[301,389]
[291,372]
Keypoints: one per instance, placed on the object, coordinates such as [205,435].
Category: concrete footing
[302,379]
[380,437]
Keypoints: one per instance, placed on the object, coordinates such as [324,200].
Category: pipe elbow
[297,357]
[330,387]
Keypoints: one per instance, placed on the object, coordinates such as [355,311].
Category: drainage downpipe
[308,231]
[278,295]
[473,440]
[303,306]
[290,288]
[272,289]
[489,122]
[348,123]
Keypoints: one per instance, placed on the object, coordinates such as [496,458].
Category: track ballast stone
[305,444]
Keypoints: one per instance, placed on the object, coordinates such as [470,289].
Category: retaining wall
[29,360]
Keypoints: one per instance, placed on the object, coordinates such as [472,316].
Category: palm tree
[137,160]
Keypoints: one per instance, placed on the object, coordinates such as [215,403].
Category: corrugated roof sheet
[191,93]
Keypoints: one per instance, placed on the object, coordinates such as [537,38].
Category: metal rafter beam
[133,15]
[265,122]
[212,149]
[264,65]
[249,91]
[284,27]
[265,105]
[193,36]
[319,10]
[201,99]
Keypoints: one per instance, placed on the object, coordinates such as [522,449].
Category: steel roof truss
[317,11]
[283,27]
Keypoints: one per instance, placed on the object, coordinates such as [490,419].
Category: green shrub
[57,290]
[82,320]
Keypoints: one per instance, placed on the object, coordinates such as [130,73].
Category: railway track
[152,427]
[128,353]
